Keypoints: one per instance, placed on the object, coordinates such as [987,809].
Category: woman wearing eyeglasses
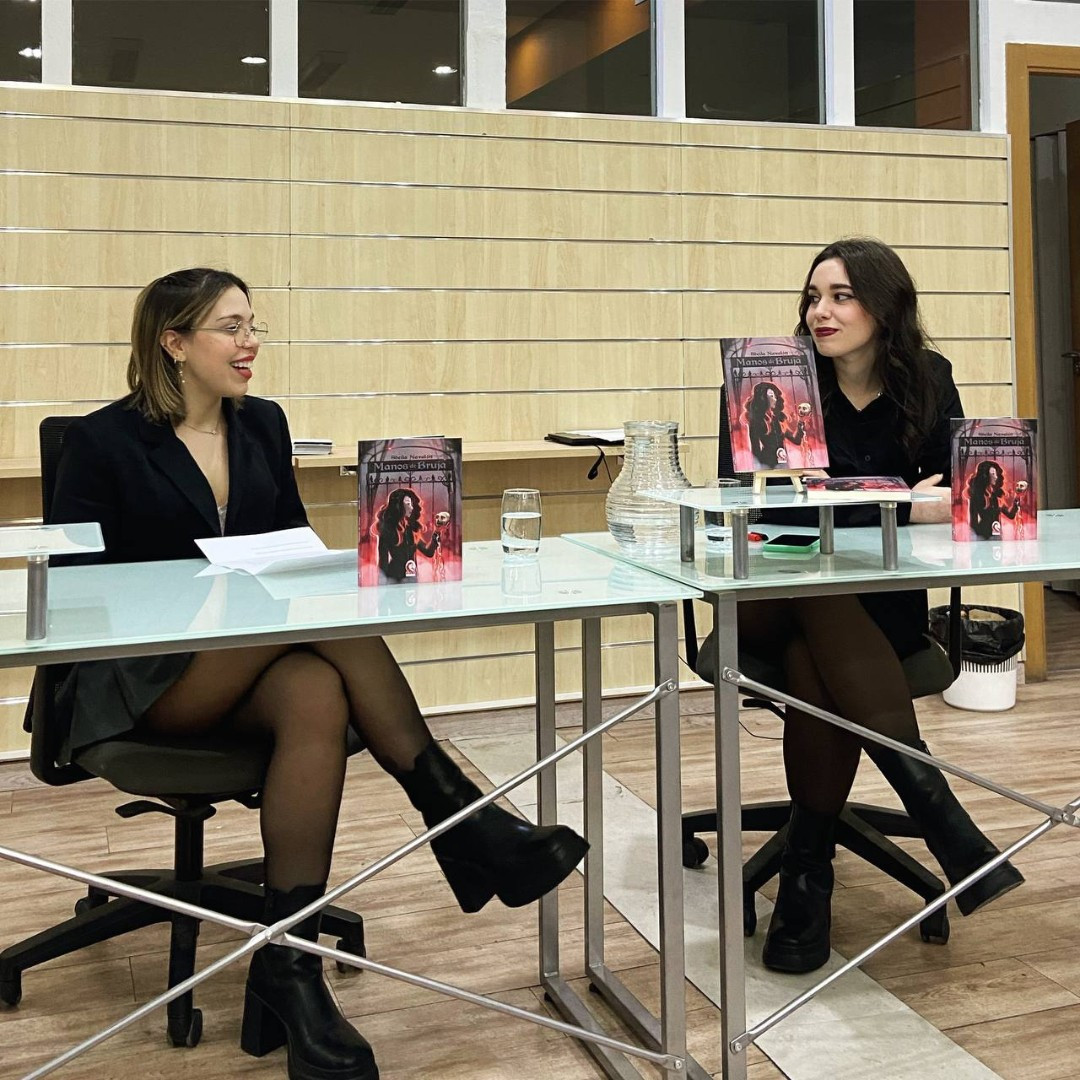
[187,455]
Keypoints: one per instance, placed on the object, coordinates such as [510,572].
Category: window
[20,40]
[913,63]
[381,50]
[215,46]
[749,60]
[579,56]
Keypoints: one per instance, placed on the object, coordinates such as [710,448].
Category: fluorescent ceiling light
[253,60]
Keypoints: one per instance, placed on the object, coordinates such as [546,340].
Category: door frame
[1021,62]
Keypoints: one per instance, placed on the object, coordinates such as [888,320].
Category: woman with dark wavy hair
[887,401]
[400,532]
[767,427]
[987,500]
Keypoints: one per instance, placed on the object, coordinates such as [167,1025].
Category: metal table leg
[37,597]
[729,838]
[740,543]
[825,527]
[687,524]
[547,804]
[889,544]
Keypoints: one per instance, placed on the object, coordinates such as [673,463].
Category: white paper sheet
[273,552]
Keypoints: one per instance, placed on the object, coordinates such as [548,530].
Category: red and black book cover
[994,479]
[409,510]
[774,408]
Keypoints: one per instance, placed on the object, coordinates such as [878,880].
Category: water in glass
[521,521]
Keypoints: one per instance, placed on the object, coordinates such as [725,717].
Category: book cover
[774,408]
[839,487]
[408,510]
[994,479]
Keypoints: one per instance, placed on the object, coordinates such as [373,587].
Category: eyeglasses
[239,332]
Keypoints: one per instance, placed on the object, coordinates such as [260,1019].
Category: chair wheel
[189,1036]
[749,915]
[11,989]
[934,929]
[93,899]
[353,943]
[694,852]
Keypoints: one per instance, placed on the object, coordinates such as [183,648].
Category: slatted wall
[494,275]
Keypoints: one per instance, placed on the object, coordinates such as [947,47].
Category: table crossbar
[278,932]
[1066,815]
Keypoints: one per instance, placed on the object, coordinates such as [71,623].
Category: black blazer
[137,479]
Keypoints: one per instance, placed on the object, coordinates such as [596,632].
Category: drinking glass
[520,525]
[714,519]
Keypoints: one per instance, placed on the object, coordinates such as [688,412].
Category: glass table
[102,611]
[926,557]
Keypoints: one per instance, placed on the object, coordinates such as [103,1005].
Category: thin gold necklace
[202,431]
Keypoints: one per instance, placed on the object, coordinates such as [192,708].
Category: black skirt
[103,699]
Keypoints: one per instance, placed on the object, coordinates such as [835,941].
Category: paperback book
[774,408]
[409,510]
[856,487]
[994,479]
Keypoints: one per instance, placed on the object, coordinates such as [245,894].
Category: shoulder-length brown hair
[177,301]
[881,283]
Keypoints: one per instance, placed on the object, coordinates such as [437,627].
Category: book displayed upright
[774,408]
[994,479]
[409,510]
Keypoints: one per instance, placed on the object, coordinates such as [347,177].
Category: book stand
[794,475]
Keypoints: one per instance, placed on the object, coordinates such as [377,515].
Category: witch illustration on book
[400,531]
[768,427]
[987,501]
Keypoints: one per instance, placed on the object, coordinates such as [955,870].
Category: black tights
[836,658]
[303,699]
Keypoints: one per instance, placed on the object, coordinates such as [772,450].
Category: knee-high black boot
[491,853]
[287,1002]
[798,937]
[952,837]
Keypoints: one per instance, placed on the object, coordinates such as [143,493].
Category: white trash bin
[984,687]
[991,640]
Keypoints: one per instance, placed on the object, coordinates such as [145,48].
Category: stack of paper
[312,446]
[273,552]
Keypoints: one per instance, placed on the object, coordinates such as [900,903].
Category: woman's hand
[932,513]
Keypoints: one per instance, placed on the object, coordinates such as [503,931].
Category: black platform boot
[491,853]
[288,1002]
[798,937]
[952,837]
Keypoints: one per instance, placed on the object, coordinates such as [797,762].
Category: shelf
[472,451]
[19,468]
[22,468]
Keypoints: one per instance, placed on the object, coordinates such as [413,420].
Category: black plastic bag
[989,635]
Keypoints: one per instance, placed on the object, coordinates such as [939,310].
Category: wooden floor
[1006,987]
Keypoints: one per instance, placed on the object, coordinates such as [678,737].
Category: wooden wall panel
[490,275]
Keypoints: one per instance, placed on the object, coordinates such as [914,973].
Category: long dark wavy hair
[758,404]
[882,284]
[982,490]
[391,522]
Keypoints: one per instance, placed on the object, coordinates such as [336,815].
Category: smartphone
[792,544]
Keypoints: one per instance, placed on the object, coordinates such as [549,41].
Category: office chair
[186,777]
[863,829]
